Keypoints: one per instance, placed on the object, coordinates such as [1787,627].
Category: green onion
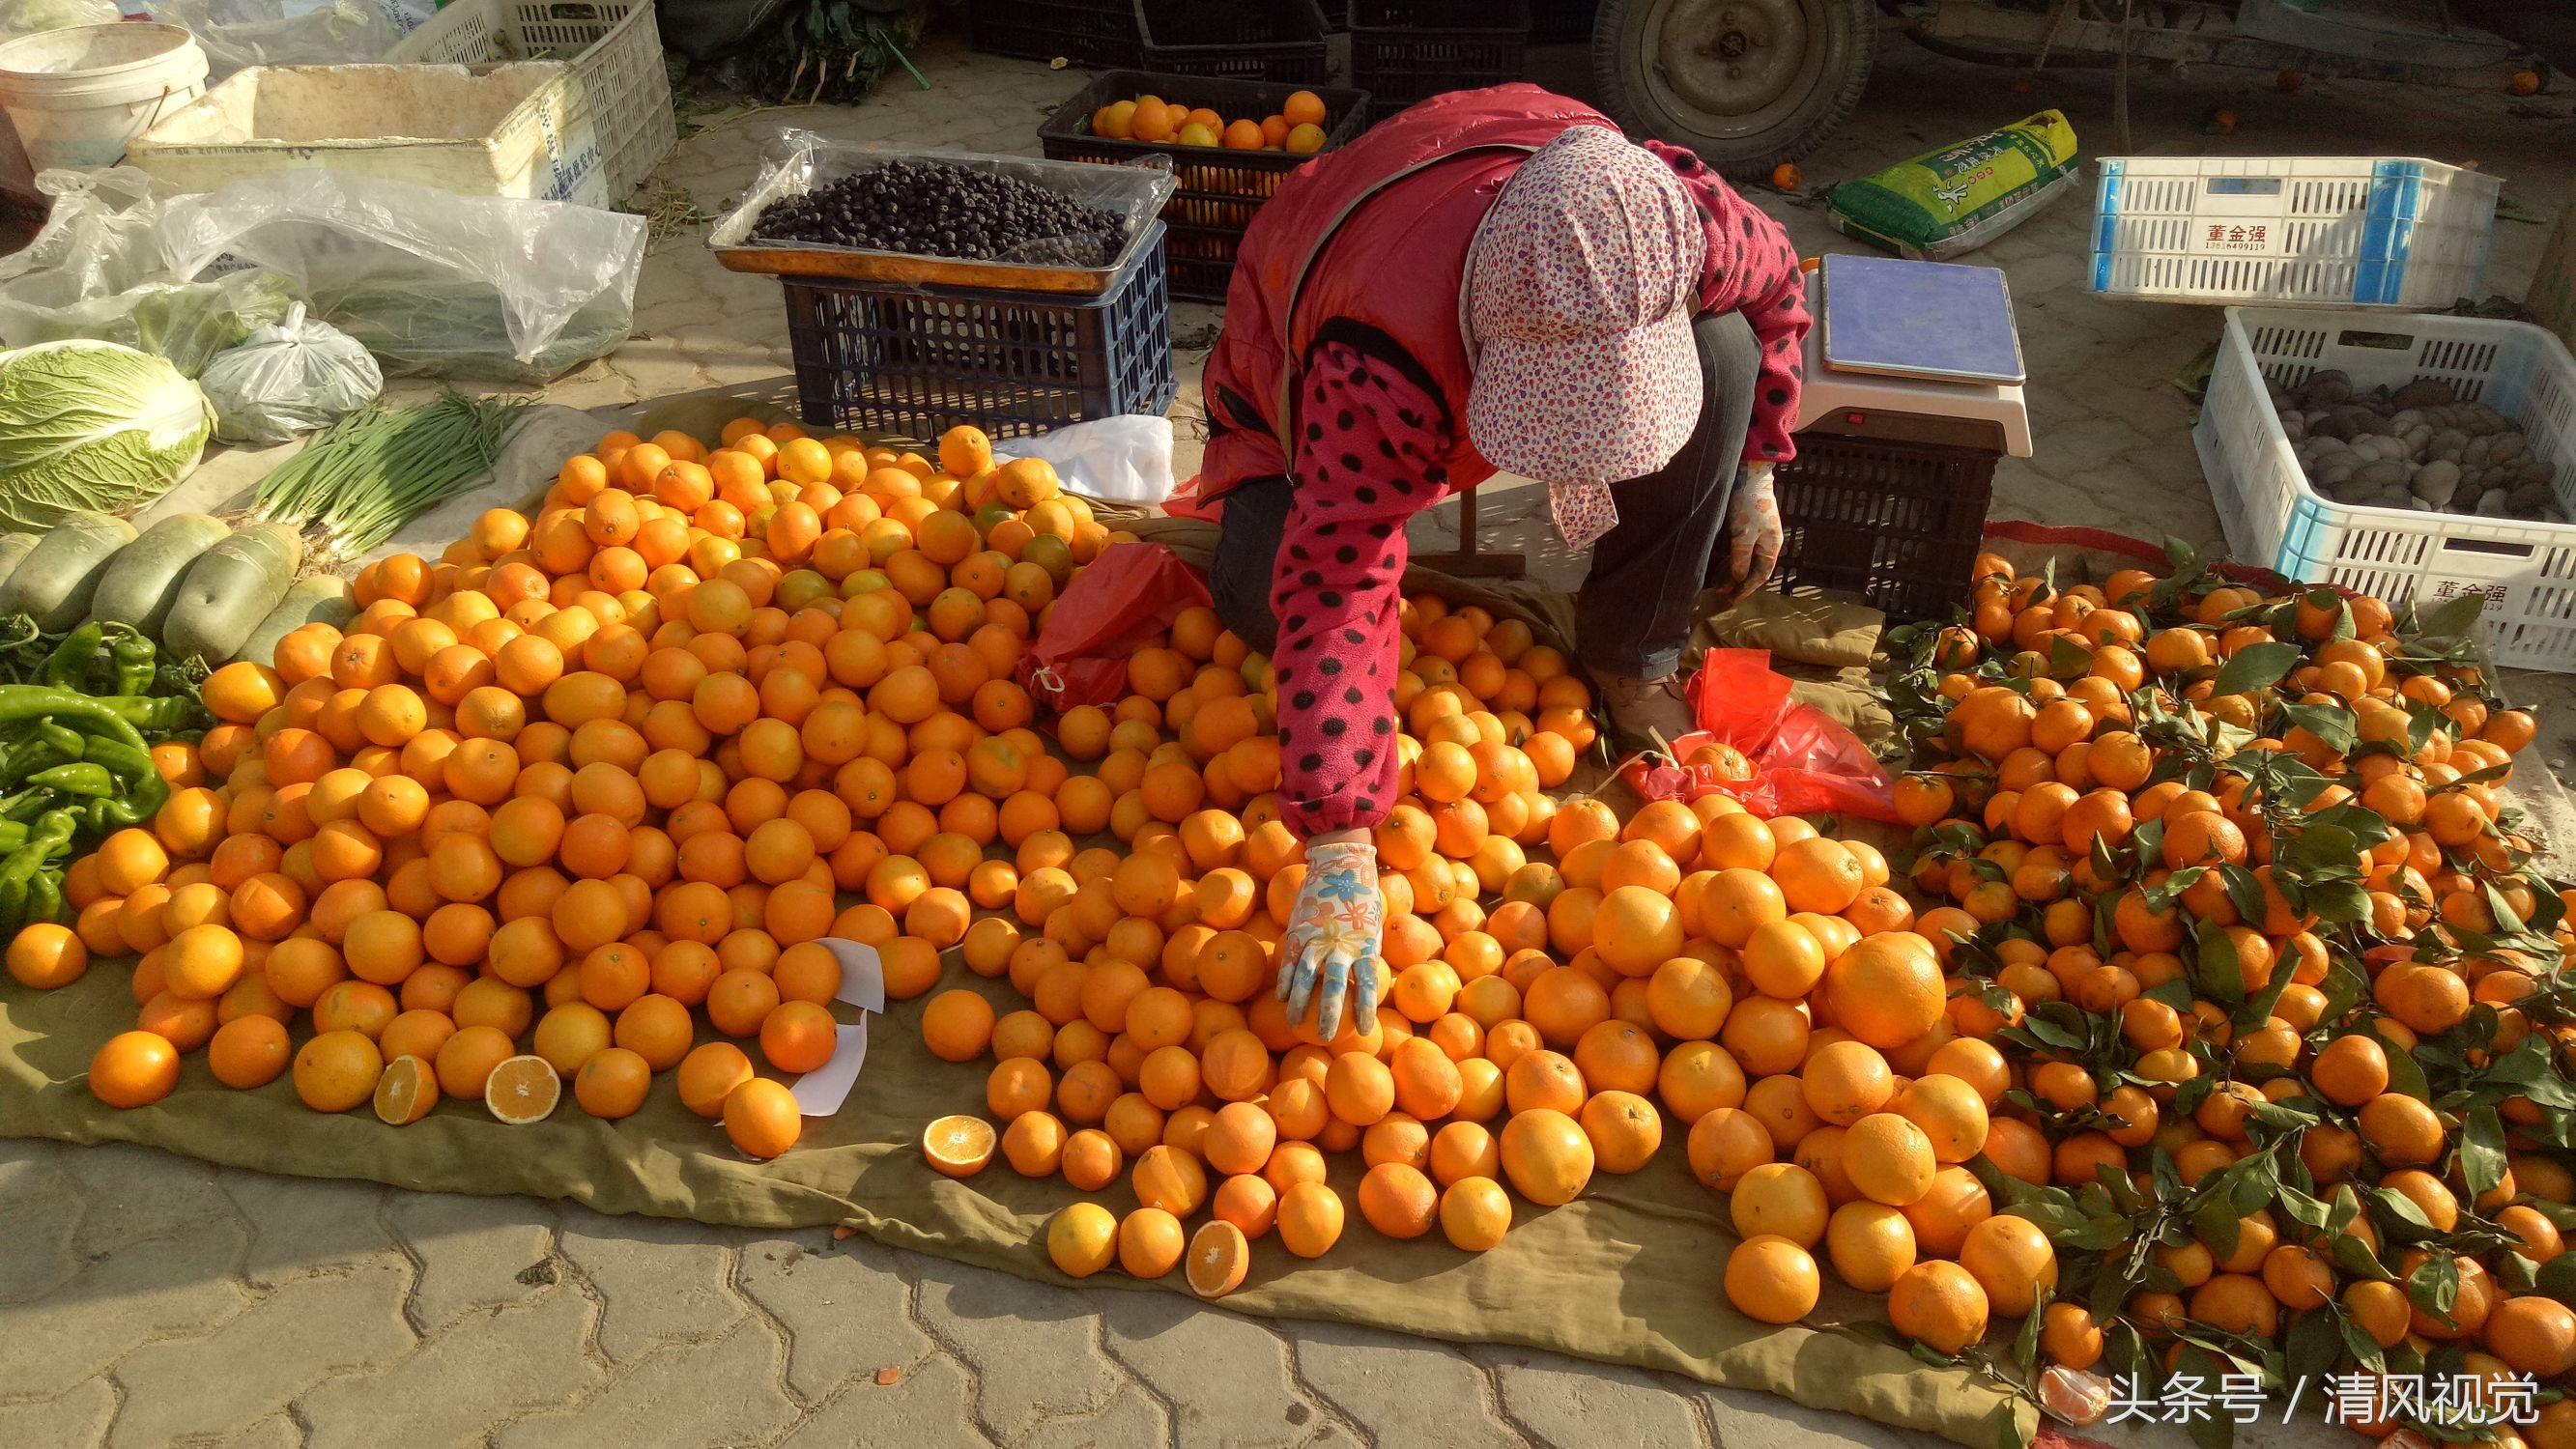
[376,470]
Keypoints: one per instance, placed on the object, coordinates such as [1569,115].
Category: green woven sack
[1947,202]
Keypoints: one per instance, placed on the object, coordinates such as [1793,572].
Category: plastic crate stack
[1279,40]
[1218,190]
[1404,51]
[1272,40]
[2322,258]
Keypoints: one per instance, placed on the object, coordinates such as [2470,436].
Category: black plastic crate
[1218,190]
[1899,524]
[1085,32]
[919,360]
[1404,51]
[1279,40]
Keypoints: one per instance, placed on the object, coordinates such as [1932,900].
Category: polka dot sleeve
[1751,268]
[1368,436]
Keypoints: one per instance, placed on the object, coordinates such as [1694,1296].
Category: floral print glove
[1752,531]
[1333,935]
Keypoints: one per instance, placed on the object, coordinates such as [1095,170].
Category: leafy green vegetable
[92,426]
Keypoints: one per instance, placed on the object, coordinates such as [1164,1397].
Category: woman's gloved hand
[1752,531]
[1334,932]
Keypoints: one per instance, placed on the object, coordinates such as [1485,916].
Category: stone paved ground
[147,1299]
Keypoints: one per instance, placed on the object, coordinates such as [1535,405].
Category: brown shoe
[1643,709]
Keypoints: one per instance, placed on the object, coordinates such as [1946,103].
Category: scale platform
[1918,351]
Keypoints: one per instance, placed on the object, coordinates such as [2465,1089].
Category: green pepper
[150,714]
[136,661]
[69,742]
[44,896]
[143,799]
[86,779]
[52,835]
[109,717]
[122,760]
[74,663]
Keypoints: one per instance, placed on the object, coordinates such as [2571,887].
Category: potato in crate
[2433,457]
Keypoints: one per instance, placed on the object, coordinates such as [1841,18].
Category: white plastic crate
[612,46]
[506,131]
[2340,231]
[2527,571]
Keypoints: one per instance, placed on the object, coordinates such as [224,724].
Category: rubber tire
[1617,44]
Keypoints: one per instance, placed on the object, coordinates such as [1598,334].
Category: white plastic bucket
[79,95]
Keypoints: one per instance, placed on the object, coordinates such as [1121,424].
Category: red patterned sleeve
[1369,433]
[1751,268]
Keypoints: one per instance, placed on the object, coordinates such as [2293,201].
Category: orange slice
[522,1090]
[1218,1258]
[958,1146]
[406,1092]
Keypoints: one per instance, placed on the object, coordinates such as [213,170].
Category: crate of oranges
[1231,142]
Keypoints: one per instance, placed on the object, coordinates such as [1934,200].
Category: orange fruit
[1398,1200]
[1870,1244]
[1938,1304]
[406,1091]
[1310,1218]
[2011,1259]
[709,1073]
[337,1070]
[137,1068]
[1149,1243]
[1218,1259]
[613,1083]
[248,1051]
[1772,1280]
[1475,1213]
[761,1118]
[1546,1155]
[522,1090]
[1889,1159]
[1033,1143]
[1082,1239]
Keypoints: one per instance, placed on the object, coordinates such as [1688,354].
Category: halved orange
[1218,1259]
[406,1092]
[958,1145]
[522,1090]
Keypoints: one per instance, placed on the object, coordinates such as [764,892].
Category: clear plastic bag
[294,377]
[35,17]
[430,282]
[801,161]
[97,271]
[236,34]
[1125,459]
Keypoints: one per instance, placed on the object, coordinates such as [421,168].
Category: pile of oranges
[2215,1022]
[1154,1045]
[2261,979]
[592,775]
[1297,127]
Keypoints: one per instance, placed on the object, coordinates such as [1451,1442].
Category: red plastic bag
[1782,758]
[1190,500]
[1130,593]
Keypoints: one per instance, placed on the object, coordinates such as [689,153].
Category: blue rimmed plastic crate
[2339,231]
[2526,571]
[918,359]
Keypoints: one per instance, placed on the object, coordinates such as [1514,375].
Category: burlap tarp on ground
[1631,1272]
